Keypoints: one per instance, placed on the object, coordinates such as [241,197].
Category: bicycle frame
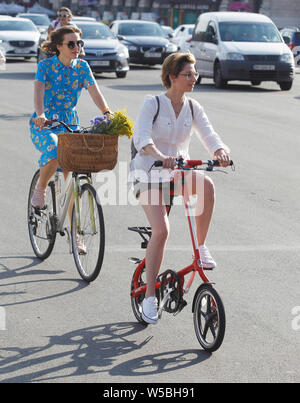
[71,186]
[196,265]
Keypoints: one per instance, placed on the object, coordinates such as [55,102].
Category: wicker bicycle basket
[85,153]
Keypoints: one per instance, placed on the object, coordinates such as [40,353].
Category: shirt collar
[59,65]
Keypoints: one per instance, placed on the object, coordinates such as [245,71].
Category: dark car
[103,51]
[291,36]
[146,41]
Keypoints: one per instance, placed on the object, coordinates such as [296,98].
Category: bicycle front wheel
[41,222]
[209,318]
[88,237]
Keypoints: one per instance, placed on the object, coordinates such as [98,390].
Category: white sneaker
[149,310]
[206,259]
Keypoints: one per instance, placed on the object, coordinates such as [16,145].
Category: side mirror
[209,37]
[170,35]
[286,40]
[121,37]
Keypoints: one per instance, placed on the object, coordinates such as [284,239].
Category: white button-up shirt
[169,134]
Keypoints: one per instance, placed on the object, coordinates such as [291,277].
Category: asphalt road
[54,328]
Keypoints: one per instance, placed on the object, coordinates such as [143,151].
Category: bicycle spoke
[41,234]
[88,234]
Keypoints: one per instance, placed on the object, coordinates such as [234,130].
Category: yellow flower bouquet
[116,124]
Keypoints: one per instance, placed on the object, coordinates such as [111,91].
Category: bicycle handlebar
[189,164]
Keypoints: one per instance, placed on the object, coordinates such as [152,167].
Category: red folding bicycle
[207,307]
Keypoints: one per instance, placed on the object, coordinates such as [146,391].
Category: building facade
[175,12]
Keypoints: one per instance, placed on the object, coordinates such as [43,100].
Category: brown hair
[57,37]
[174,64]
[66,9]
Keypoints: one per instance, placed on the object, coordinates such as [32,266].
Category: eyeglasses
[188,76]
[71,44]
[63,15]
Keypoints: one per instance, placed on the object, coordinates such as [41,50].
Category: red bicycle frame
[196,266]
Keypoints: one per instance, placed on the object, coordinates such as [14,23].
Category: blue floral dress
[63,85]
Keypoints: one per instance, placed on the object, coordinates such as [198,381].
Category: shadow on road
[13,117]
[14,293]
[18,76]
[91,351]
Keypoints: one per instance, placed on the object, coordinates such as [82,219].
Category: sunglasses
[64,15]
[71,44]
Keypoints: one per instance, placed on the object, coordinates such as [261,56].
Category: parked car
[42,21]
[146,41]
[169,31]
[182,37]
[103,51]
[291,36]
[77,18]
[2,57]
[20,37]
[241,46]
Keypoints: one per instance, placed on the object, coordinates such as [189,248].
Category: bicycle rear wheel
[136,302]
[89,226]
[209,318]
[41,226]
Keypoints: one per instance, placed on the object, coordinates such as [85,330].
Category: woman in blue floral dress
[57,87]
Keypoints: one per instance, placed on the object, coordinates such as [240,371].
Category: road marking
[216,248]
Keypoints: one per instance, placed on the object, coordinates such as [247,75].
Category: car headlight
[123,52]
[286,58]
[234,56]
[132,47]
[171,47]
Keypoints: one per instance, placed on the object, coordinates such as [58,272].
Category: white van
[241,46]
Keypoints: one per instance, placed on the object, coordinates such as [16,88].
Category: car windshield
[248,32]
[37,19]
[16,26]
[129,29]
[95,31]
[297,38]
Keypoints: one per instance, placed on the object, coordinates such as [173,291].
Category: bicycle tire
[42,233]
[90,263]
[136,302]
[210,325]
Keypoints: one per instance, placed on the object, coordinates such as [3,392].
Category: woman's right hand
[40,121]
[169,162]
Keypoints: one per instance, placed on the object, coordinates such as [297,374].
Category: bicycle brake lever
[219,170]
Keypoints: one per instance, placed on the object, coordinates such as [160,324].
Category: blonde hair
[174,64]
[57,37]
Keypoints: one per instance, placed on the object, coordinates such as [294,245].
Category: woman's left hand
[222,156]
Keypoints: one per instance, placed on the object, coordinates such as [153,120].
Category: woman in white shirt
[64,17]
[165,139]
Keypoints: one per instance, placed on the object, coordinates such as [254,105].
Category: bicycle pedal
[182,304]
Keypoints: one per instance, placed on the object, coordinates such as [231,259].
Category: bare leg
[158,220]
[46,172]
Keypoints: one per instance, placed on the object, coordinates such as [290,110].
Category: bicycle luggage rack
[145,233]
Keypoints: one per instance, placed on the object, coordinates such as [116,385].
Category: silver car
[20,37]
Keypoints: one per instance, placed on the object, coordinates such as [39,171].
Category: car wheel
[255,82]
[199,80]
[121,74]
[285,85]
[218,78]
